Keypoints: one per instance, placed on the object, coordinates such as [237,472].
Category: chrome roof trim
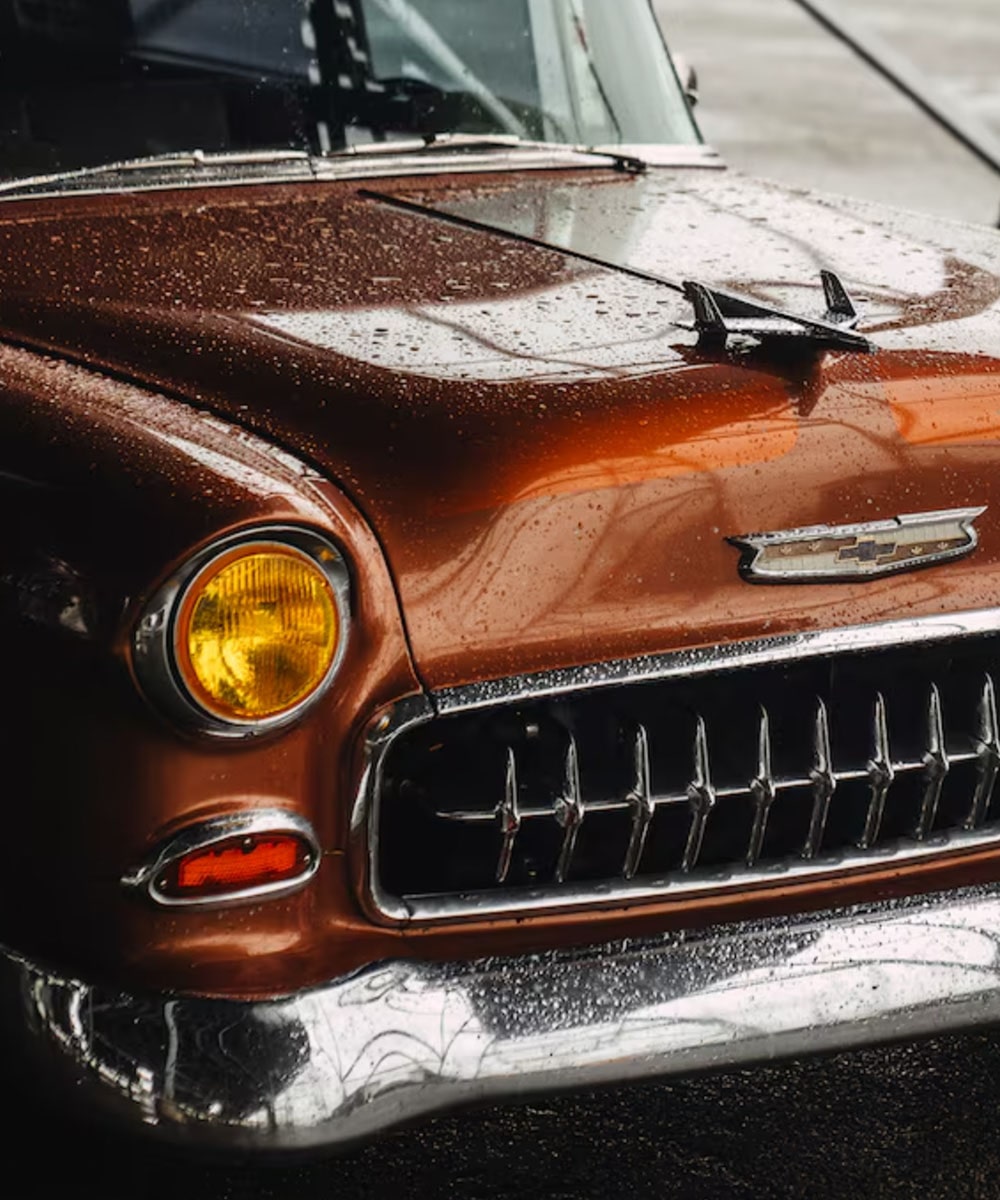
[685,663]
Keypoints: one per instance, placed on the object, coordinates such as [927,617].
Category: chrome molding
[348,1060]
[705,660]
[701,795]
[182,172]
[146,877]
[153,655]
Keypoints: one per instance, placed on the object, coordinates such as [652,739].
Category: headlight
[248,634]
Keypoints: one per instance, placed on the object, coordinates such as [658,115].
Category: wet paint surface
[550,462]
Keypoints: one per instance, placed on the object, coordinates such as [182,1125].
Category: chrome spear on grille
[569,811]
[509,816]
[880,775]
[987,747]
[762,789]
[823,780]
[936,765]
[701,797]
[640,799]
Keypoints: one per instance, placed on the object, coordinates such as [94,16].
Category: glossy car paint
[527,460]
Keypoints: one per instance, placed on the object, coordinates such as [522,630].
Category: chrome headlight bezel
[154,654]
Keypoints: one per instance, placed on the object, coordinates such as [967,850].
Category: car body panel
[584,487]
[198,361]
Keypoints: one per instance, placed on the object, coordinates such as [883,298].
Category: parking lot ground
[783,98]
[916,1120]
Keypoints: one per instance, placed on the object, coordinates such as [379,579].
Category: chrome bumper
[344,1062]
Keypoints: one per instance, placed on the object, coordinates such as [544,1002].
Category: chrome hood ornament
[828,553]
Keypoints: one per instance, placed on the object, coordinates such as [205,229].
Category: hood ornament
[720,315]
[870,550]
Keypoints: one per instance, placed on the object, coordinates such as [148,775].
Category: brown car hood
[551,463]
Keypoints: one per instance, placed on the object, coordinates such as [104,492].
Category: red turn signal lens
[237,865]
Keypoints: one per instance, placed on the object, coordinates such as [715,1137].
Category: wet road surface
[915,1120]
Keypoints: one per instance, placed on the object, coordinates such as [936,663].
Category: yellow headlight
[257,632]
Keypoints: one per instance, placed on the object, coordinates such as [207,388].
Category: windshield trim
[184,172]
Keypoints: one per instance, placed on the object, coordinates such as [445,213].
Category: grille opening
[697,782]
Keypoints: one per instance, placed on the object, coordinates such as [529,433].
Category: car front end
[486,614]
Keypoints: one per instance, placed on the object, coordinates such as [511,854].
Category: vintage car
[491,601]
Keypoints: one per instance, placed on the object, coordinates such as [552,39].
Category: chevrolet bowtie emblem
[824,553]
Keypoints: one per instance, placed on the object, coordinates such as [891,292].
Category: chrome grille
[693,782]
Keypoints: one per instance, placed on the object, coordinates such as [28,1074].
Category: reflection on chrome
[347,1060]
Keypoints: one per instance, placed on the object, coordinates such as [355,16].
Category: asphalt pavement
[780,98]
[916,1120]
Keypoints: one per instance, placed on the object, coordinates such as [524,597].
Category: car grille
[699,782]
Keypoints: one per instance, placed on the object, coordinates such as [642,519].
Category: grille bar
[823,780]
[762,788]
[881,774]
[642,801]
[936,764]
[881,771]
[510,817]
[701,796]
[569,811]
[988,755]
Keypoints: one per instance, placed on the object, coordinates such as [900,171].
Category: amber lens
[257,633]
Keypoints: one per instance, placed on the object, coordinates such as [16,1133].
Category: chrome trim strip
[203,834]
[619,893]
[153,638]
[705,660]
[681,664]
[348,1060]
[280,167]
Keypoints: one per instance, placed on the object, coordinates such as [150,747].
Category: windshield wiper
[473,142]
[201,165]
[194,161]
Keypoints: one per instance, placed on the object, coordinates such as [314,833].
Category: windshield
[85,82]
